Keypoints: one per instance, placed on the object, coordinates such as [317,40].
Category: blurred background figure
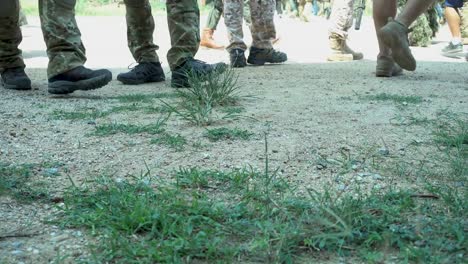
[262,29]
[453,18]
[23,21]
[341,20]
[216,8]
[214,15]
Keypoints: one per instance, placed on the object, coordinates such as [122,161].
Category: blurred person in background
[341,20]
[453,10]
[262,29]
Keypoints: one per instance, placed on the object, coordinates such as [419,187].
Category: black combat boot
[237,58]
[79,78]
[16,79]
[193,68]
[144,72]
[261,56]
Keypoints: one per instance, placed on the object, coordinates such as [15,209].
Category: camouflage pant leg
[10,35]
[233,15]
[140,29]
[183,19]
[247,13]
[22,18]
[216,11]
[341,18]
[263,25]
[61,35]
[464,21]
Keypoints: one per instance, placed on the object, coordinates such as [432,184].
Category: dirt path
[308,108]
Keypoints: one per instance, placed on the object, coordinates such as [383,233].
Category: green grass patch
[176,142]
[396,98]
[79,114]
[115,128]
[225,133]
[451,138]
[92,114]
[246,216]
[16,181]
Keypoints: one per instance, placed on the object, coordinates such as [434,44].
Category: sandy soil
[308,107]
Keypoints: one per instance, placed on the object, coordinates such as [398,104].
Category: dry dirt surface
[306,107]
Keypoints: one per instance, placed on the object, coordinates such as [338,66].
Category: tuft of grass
[396,98]
[206,93]
[115,128]
[176,142]
[15,180]
[224,133]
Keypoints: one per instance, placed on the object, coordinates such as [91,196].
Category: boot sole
[400,53]
[256,62]
[340,57]
[66,87]
[454,54]
[136,82]
[19,87]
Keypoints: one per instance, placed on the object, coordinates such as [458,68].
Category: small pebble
[384,152]
[17,244]
[17,252]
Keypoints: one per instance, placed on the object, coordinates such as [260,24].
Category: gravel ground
[308,108]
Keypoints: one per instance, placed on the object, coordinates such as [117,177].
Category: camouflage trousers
[341,18]
[464,22]
[61,34]
[140,29]
[183,18]
[216,11]
[262,27]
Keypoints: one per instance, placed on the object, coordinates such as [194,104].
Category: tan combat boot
[208,41]
[341,51]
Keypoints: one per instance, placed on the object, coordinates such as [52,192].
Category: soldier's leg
[11,63]
[341,20]
[263,32]
[233,15]
[61,35]
[247,13]
[214,16]
[10,35]
[140,29]
[183,17]
[22,18]
[65,50]
[216,11]
[394,35]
